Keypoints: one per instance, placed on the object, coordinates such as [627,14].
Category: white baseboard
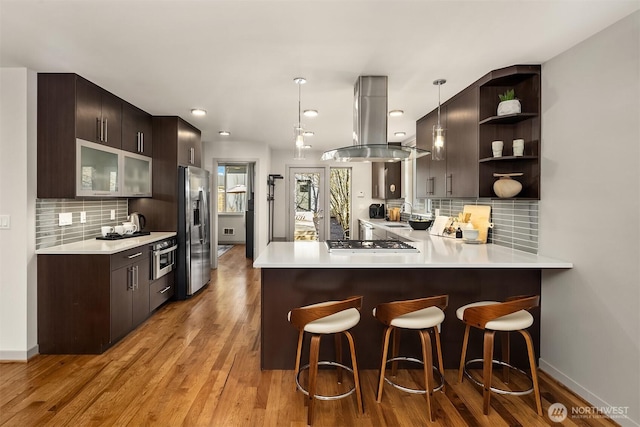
[581,391]
[18,356]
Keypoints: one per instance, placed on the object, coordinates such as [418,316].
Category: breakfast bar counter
[295,274]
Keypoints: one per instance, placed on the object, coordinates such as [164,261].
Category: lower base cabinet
[129,291]
[161,290]
[86,303]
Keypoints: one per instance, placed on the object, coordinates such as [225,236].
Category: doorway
[235,205]
[307,202]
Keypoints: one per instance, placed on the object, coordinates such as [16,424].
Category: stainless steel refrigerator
[194,230]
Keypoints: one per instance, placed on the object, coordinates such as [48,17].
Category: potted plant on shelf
[509,104]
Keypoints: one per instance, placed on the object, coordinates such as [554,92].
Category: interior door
[308,200]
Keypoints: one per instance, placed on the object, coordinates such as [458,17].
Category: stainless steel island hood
[370,127]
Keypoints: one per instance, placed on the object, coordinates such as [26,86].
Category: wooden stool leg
[313,374]
[487,369]
[394,351]
[505,356]
[428,369]
[463,356]
[338,343]
[383,363]
[532,365]
[436,333]
[298,353]
[356,376]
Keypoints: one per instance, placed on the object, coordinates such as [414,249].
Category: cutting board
[480,215]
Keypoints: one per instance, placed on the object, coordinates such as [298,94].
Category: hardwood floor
[196,363]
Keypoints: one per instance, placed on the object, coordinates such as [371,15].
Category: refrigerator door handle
[205,209]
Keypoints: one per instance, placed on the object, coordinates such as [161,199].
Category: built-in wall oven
[163,257]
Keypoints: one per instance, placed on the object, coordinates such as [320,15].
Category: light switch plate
[65,219]
[83,217]
[113,214]
[5,222]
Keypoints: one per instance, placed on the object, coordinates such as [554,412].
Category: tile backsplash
[49,233]
[515,222]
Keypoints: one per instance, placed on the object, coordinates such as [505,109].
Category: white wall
[18,274]
[237,223]
[360,183]
[591,157]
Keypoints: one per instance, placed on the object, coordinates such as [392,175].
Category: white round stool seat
[338,322]
[419,319]
[511,322]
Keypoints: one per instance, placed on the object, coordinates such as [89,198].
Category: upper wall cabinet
[98,114]
[457,174]
[386,180]
[72,109]
[136,130]
[472,124]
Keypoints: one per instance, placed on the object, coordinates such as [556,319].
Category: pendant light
[298,130]
[438,148]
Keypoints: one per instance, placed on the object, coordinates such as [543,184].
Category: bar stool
[492,316]
[331,317]
[423,315]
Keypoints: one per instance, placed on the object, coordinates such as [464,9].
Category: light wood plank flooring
[196,363]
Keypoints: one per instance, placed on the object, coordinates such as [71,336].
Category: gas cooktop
[369,246]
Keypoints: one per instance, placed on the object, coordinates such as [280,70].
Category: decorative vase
[509,107]
[506,187]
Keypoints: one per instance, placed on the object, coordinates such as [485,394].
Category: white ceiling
[237,59]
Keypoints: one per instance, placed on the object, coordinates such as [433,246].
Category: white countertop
[104,247]
[435,252]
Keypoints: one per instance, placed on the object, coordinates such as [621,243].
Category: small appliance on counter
[376,210]
[138,220]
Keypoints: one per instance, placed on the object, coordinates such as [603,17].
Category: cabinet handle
[130,279]
[165,289]
[141,142]
[99,128]
[192,155]
[138,142]
[135,255]
[137,276]
[106,130]
[433,185]
[449,184]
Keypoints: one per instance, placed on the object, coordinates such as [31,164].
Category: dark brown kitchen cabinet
[129,291]
[175,143]
[98,114]
[471,123]
[386,180]
[71,112]
[137,135]
[457,174]
[86,303]
[161,290]
[189,145]
[430,174]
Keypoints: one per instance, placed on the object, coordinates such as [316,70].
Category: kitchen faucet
[410,208]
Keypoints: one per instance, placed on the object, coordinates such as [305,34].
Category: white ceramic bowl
[470,234]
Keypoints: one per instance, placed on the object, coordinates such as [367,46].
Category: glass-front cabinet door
[97,170]
[136,175]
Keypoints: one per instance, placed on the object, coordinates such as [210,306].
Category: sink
[397,225]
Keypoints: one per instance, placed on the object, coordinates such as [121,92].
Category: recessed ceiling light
[198,112]
[396,113]
[310,113]
[400,134]
[308,133]
[224,133]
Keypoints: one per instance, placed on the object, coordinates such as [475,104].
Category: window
[232,188]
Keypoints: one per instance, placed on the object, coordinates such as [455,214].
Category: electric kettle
[138,220]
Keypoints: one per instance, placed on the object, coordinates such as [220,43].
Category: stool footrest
[413,390]
[495,389]
[319,396]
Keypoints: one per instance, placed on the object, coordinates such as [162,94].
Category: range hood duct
[370,127]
